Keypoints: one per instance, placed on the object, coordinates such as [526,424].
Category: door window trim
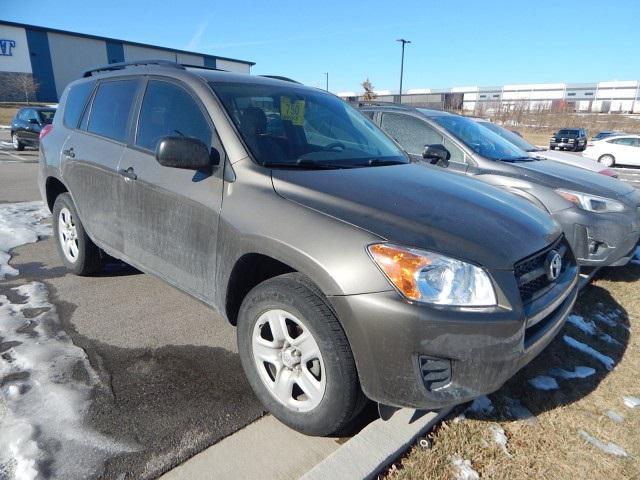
[127,139]
[215,139]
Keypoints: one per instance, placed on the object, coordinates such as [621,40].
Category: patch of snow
[609,447]
[631,402]
[464,470]
[578,372]
[499,437]
[517,411]
[459,418]
[605,337]
[20,223]
[615,416]
[605,319]
[42,431]
[481,406]
[583,347]
[543,382]
[587,327]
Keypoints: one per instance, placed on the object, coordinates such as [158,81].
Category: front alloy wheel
[288,360]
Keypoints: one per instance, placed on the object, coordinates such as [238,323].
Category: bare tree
[369,94]
[21,86]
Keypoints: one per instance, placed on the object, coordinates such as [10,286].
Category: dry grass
[552,447]
[6,114]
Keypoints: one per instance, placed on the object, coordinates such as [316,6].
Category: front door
[413,134]
[172,214]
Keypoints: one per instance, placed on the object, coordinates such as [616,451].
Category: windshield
[481,140]
[286,126]
[511,137]
[46,116]
[568,133]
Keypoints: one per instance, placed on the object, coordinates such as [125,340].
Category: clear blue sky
[455,43]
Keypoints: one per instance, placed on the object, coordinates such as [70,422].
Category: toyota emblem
[554,265]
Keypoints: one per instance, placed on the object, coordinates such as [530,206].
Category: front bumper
[600,239]
[567,144]
[391,338]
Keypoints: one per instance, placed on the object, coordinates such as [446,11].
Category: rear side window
[168,109]
[628,141]
[76,100]
[111,109]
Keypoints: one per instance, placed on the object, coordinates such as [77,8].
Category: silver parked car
[537,152]
[599,214]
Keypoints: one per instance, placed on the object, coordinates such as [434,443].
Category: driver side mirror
[186,153]
[34,121]
[437,154]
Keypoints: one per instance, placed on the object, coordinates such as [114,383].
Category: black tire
[88,259]
[343,399]
[552,148]
[17,144]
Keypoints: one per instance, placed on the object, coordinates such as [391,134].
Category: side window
[410,132]
[368,114]
[74,105]
[628,141]
[457,155]
[32,115]
[111,109]
[167,109]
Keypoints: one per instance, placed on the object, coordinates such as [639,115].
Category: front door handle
[69,153]
[129,173]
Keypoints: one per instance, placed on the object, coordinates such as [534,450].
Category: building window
[589,93]
[483,96]
[571,94]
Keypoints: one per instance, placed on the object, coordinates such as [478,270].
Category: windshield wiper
[307,165]
[379,162]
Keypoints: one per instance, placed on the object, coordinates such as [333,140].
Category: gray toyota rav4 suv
[348,271]
[599,215]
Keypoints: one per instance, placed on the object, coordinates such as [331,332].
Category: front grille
[531,272]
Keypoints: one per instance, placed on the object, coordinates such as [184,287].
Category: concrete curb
[376,446]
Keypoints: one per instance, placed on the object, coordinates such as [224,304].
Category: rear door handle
[129,173]
[69,153]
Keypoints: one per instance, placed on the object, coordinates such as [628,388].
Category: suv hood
[426,207]
[557,175]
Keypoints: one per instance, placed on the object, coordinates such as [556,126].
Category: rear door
[413,134]
[91,155]
[31,126]
[172,214]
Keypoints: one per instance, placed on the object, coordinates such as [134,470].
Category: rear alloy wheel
[78,253]
[297,357]
[607,160]
[17,144]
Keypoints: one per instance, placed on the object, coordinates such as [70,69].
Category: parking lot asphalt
[172,383]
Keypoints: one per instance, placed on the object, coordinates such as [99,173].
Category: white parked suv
[620,149]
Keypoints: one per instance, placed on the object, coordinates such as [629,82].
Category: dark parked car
[605,134]
[569,139]
[346,268]
[27,125]
[599,214]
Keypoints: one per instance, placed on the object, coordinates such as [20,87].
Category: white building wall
[136,52]
[232,66]
[19,60]
[72,56]
[187,59]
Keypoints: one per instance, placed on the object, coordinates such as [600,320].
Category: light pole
[404,42]
[326,74]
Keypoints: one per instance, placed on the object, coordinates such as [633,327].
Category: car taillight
[45,130]
[609,173]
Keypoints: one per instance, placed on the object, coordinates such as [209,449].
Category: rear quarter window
[76,101]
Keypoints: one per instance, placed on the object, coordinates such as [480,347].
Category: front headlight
[432,278]
[592,203]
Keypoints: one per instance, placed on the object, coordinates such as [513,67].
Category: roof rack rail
[122,65]
[279,77]
[187,65]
